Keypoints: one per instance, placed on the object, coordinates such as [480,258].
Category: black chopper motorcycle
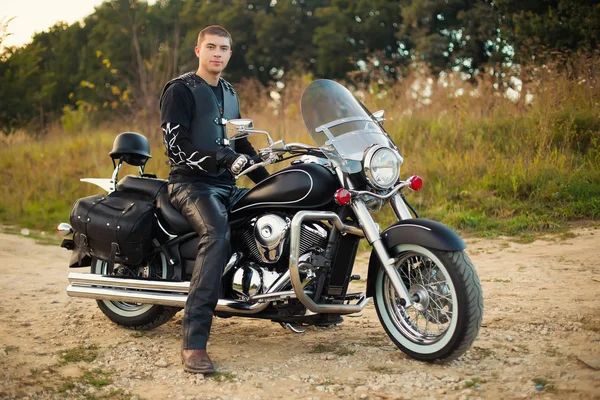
[295,236]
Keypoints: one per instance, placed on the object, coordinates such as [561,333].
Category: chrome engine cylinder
[269,232]
[247,282]
[266,238]
[251,280]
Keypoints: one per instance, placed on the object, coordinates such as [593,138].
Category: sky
[31,16]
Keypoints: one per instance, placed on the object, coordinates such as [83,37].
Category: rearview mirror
[236,128]
[379,116]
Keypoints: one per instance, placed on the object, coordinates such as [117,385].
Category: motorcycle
[295,237]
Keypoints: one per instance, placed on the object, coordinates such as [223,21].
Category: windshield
[339,124]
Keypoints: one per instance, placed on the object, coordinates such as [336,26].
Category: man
[202,187]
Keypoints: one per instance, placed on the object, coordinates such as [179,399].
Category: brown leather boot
[196,361]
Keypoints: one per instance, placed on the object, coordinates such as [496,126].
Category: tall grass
[491,165]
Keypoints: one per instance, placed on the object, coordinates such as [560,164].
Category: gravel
[256,359]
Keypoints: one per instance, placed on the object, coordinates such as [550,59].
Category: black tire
[134,315]
[454,303]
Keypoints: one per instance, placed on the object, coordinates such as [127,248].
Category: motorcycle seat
[167,215]
[150,187]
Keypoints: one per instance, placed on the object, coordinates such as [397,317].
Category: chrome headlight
[382,166]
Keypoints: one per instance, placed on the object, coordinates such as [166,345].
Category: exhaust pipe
[79,279]
[173,294]
[131,296]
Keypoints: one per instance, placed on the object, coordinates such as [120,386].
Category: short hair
[214,30]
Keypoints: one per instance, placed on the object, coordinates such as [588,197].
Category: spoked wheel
[136,315]
[445,321]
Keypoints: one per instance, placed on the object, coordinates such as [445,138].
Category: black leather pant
[205,208]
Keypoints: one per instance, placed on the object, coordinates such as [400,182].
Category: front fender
[419,231]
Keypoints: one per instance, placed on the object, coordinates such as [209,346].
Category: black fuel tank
[302,185]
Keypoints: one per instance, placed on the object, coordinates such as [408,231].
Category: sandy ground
[541,326]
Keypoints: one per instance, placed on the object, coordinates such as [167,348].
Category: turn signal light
[415,182]
[342,197]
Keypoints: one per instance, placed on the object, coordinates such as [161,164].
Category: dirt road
[541,327]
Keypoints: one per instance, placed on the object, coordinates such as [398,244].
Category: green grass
[90,384]
[490,167]
[79,353]
[9,348]
[496,280]
[546,385]
[77,387]
[381,369]
[223,376]
[344,352]
[483,352]
[326,382]
[96,378]
[322,348]
[473,383]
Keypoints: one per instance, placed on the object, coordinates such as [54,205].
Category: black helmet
[132,148]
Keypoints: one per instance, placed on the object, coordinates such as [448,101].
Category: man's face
[214,53]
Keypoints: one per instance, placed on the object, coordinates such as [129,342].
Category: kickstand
[287,325]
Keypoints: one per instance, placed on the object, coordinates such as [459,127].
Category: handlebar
[273,154]
[395,189]
[251,168]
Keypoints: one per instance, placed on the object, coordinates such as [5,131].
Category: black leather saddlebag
[115,228]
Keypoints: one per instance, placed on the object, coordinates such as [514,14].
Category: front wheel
[136,315]
[445,321]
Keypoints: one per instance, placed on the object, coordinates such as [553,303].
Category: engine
[266,239]
[266,243]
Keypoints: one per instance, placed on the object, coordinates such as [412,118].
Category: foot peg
[287,325]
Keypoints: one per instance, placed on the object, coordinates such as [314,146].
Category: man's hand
[233,161]
[239,164]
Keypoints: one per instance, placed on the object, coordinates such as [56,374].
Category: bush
[76,119]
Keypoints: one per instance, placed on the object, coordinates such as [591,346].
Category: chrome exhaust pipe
[131,296]
[79,279]
[173,294]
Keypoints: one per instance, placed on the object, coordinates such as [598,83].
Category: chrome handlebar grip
[252,168]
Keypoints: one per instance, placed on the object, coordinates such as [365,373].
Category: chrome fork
[400,208]
[371,231]
[372,234]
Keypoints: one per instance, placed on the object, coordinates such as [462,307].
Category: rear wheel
[445,321]
[136,315]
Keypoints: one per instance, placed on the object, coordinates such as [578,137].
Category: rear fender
[77,258]
[419,231]
[78,261]
[104,183]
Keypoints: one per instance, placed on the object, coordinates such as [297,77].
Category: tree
[4,33]
[283,39]
[350,32]
[563,25]
[17,72]
[118,60]
[459,35]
